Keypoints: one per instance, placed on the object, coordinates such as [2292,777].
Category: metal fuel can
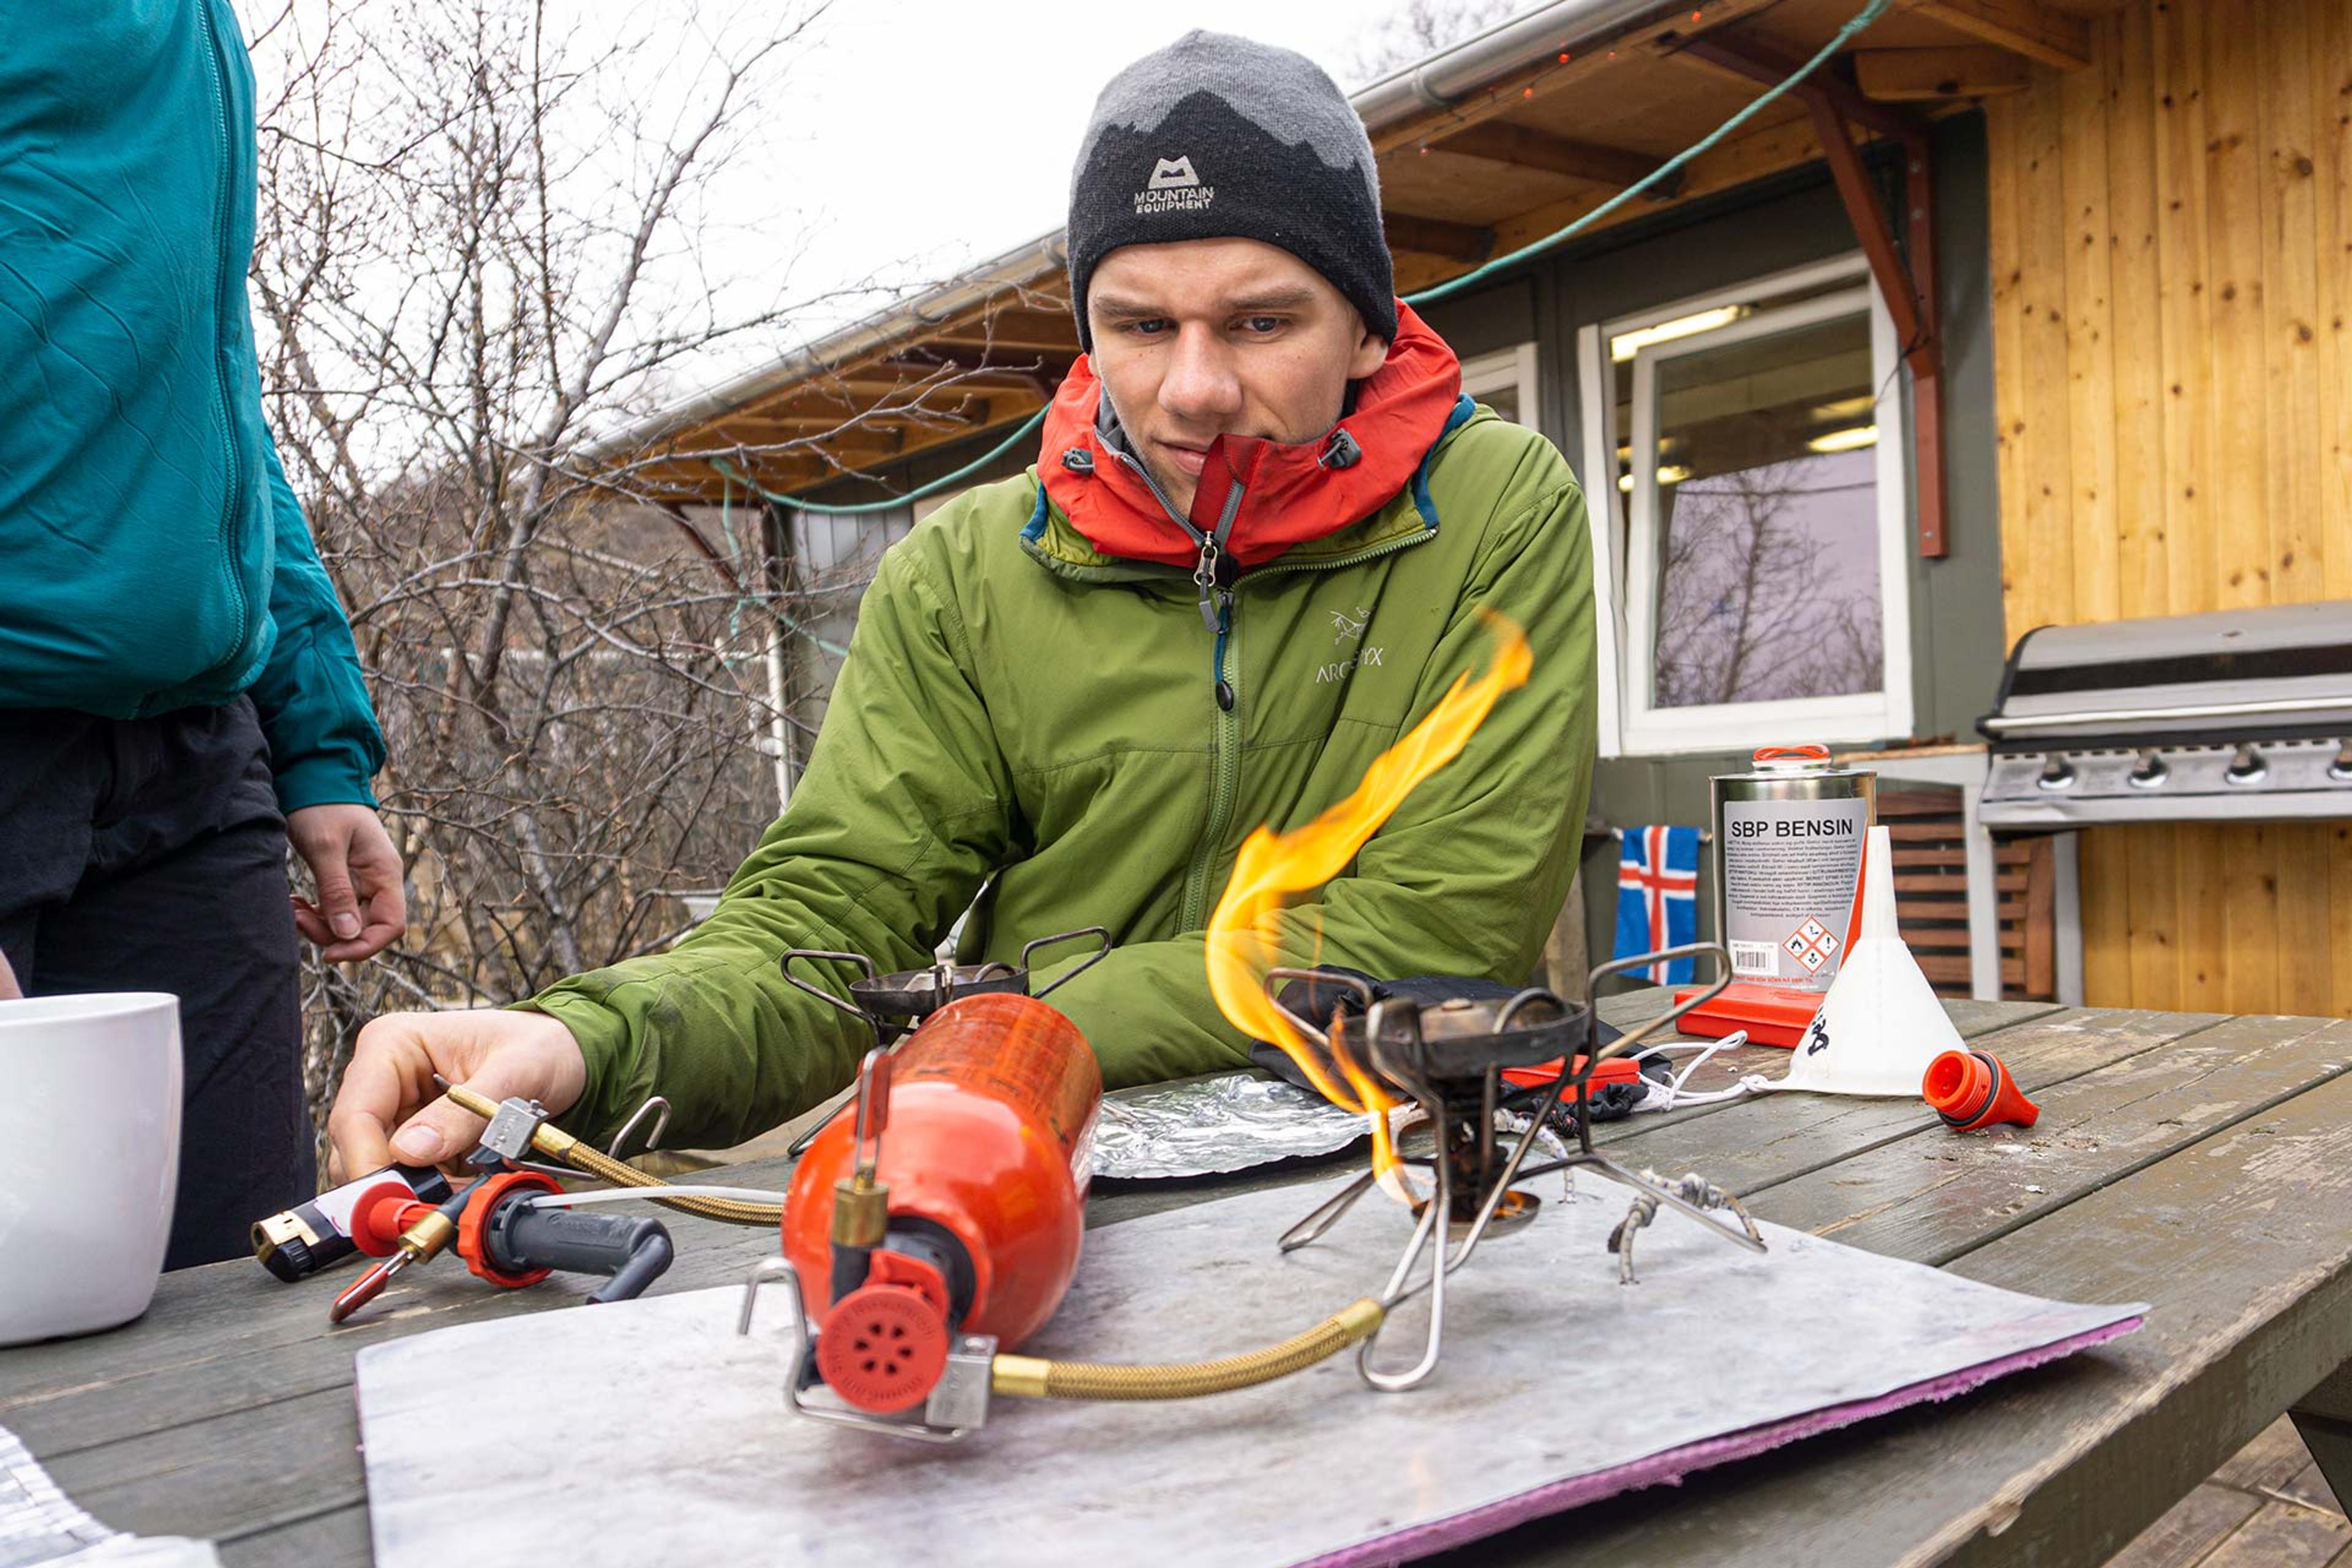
[1786,858]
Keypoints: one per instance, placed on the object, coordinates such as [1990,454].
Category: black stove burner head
[1458,1042]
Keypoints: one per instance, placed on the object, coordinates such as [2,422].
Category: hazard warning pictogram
[1812,944]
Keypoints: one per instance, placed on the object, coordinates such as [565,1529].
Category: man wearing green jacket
[1263,537]
[179,695]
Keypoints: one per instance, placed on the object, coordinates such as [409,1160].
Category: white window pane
[1767,539]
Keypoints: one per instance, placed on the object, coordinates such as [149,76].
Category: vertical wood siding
[2171,242]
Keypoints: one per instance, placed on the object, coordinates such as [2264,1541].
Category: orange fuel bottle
[949,1198]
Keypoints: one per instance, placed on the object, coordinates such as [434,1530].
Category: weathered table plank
[1767,1140]
[1925,1199]
[2243,1243]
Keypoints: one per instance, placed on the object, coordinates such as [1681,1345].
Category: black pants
[148,855]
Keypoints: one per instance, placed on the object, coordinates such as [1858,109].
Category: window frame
[1624,527]
[1515,368]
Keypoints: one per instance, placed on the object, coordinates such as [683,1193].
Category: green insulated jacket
[1022,711]
[152,556]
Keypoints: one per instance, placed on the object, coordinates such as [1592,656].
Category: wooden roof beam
[1761,64]
[2022,26]
[855,448]
[1499,142]
[968,343]
[870,418]
[1546,74]
[1436,236]
[1927,76]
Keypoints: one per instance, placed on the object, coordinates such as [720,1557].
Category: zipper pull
[1223,624]
[1204,578]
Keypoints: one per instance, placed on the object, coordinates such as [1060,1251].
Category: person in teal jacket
[179,692]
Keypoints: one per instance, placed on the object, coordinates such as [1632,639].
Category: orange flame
[1272,871]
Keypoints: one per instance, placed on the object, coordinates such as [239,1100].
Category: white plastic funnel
[1881,1024]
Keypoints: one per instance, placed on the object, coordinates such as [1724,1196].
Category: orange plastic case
[1772,1015]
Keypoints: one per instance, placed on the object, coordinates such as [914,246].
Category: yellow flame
[1273,869]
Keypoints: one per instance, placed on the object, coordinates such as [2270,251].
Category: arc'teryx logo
[1345,626]
[1366,657]
[1174,187]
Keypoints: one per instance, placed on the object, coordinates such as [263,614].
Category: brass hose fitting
[1028,1377]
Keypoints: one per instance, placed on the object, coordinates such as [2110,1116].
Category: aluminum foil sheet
[1215,1123]
[1225,1122]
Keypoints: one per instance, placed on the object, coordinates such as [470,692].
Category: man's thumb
[444,1130]
[440,1131]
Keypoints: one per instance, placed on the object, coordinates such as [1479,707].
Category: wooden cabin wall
[2171,241]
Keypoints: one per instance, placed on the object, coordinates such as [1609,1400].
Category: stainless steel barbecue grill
[2240,715]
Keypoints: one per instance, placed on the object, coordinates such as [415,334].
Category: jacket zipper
[1216,603]
[1227,787]
[1216,600]
[236,467]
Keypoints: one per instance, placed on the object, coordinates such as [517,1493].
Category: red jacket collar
[1289,492]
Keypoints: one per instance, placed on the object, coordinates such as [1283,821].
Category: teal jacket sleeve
[1466,878]
[324,745]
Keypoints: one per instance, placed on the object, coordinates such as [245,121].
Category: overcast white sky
[934,133]
[902,142]
[920,137]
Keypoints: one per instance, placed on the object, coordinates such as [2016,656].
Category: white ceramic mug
[90,1152]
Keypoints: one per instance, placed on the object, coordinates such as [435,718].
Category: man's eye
[1262,324]
[1150,327]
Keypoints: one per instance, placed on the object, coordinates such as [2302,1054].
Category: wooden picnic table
[2197,1162]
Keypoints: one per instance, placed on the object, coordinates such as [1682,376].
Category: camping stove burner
[1448,1060]
[892,1004]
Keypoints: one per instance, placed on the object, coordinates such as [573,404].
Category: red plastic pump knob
[885,1344]
[1972,1089]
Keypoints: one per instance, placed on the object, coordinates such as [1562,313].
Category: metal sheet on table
[706,1464]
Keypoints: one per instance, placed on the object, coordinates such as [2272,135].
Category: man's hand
[389,1085]
[360,910]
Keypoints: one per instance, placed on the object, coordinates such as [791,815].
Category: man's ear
[1372,352]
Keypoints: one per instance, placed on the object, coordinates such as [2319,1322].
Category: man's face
[1212,337]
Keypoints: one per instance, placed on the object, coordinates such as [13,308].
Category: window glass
[1766,523]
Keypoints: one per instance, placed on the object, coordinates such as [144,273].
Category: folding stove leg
[1427,1236]
[1327,1215]
[1693,1194]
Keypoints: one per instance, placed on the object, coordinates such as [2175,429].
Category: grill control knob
[2057,772]
[2247,767]
[2340,770]
[2151,771]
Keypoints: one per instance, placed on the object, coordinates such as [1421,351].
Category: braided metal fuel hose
[591,1160]
[1029,1377]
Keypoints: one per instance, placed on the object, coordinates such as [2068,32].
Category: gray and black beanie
[1217,137]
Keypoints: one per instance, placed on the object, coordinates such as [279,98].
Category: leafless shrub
[482,242]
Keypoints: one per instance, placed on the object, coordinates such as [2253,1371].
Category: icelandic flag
[1657,897]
